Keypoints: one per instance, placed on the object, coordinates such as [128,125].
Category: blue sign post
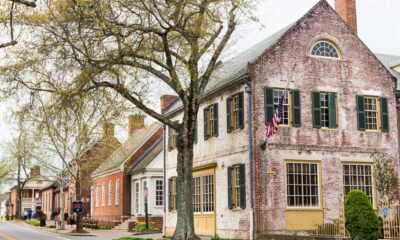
[385,212]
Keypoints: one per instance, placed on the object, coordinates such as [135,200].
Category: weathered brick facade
[358,73]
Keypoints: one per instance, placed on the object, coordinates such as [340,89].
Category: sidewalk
[113,233]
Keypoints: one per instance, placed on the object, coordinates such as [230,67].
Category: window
[302,185]
[235,112]
[196,195]
[277,95]
[172,138]
[211,121]
[171,194]
[109,192]
[97,195]
[159,193]
[236,187]
[137,198]
[372,113]
[103,194]
[325,49]
[208,193]
[291,106]
[324,108]
[358,177]
[117,192]
[144,188]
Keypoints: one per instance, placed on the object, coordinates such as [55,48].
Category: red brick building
[111,196]
[339,106]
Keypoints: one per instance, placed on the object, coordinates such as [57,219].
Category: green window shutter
[195,133]
[332,110]
[174,193]
[241,110]
[215,122]
[384,115]
[205,111]
[268,105]
[169,139]
[316,109]
[176,138]
[230,204]
[242,180]
[228,115]
[296,108]
[360,113]
[169,194]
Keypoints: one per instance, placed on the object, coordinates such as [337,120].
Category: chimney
[135,122]
[35,171]
[166,100]
[348,12]
[108,130]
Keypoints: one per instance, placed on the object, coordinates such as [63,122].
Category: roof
[130,146]
[390,62]
[50,185]
[237,67]
[147,157]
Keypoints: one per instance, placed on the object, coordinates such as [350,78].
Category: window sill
[329,129]
[235,130]
[316,209]
[237,209]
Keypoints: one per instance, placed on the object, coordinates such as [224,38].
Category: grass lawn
[33,223]
[131,238]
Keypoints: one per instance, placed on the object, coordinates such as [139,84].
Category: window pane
[357,177]
[325,49]
[302,184]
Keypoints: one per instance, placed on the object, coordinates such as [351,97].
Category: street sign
[385,212]
[77,206]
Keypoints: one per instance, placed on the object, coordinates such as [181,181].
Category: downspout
[165,176]
[248,90]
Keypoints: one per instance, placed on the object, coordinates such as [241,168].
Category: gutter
[164,177]
[248,90]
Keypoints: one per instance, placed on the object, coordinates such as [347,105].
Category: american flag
[273,126]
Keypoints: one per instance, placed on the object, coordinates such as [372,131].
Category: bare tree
[67,131]
[124,45]
[20,157]
[10,19]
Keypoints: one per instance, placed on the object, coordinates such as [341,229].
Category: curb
[55,232]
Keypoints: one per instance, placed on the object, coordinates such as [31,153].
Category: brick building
[31,192]
[111,195]
[339,106]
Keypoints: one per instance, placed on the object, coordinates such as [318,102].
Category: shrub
[361,219]
[101,227]
[141,226]
[33,223]
[131,238]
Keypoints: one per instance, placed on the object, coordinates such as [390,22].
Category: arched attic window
[326,49]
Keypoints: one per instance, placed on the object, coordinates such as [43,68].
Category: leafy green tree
[125,45]
[361,219]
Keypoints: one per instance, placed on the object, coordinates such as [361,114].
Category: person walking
[30,214]
[57,221]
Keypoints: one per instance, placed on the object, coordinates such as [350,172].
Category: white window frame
[103,194]
[117,192]
[97,195]
[319,206]
[109,192]
[354,187]
[158,193]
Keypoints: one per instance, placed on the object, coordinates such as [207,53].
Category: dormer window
[326,49]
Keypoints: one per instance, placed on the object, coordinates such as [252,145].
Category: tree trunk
[184,190]
[78,196]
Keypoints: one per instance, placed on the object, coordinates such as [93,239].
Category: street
[15,231]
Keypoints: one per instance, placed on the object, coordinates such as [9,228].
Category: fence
[391,219]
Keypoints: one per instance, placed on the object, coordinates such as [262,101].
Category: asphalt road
[11,231]
[15,231]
